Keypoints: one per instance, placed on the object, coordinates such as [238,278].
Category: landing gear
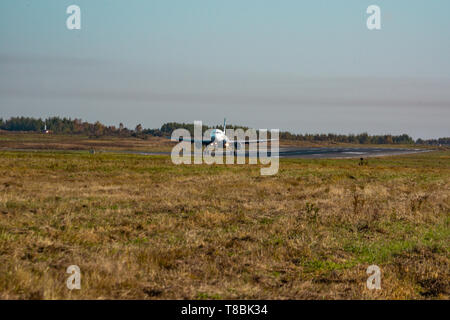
[209,153]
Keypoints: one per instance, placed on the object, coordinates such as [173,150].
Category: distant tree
[402,139]
[138,128]
[23,124]
[363,138]
[435,142]
[77,126]
[98,129]
[389,139]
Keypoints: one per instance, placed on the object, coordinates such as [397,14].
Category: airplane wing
[191,140]
[253,141]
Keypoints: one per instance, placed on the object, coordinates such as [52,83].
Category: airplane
[220,139]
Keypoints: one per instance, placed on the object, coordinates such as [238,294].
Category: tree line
[77,126]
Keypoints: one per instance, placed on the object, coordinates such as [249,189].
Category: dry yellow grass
[141,227]
[36,141]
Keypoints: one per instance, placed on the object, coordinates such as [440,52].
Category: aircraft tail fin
[224,124]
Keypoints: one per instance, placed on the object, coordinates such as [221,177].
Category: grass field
[141,227]
[13,140]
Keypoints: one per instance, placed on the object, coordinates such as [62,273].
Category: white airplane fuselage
[219,137]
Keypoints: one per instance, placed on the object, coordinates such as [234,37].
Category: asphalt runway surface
[292,152]
[328,153]
[317,153]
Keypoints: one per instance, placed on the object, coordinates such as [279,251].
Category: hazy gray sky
[303,66]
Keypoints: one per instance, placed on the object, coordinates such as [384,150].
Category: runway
[326,153]
[323,153]
[284,152]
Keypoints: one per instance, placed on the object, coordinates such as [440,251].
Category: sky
[303,66]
